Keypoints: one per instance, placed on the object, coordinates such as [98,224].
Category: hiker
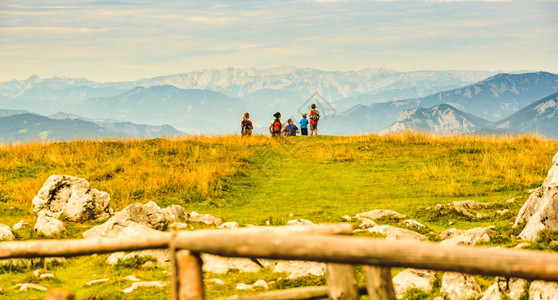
[291,129]
[276,127]
[314,117]
[246,125]
[304,125]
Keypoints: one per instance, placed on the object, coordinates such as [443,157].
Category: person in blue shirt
[304,125]
[291,129]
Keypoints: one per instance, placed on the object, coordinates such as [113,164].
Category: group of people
[277,127]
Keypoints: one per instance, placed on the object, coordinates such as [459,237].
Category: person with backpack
[304,125]
[291,129]
[314,118]
[276,127]
[246,125]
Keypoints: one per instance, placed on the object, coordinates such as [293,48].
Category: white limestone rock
[458,286]
[6,233]
[413,278]
[48,225]
[380,213]
[542,290]
[397,234]
[135,285]
[466,237]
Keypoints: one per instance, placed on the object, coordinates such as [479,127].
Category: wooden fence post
[378,283]
[341,282]
[190,275]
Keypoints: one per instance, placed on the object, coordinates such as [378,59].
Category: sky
[104,40]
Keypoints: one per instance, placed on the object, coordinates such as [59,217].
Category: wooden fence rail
[307,243]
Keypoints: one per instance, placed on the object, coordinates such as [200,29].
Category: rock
[48,225]
[457,286]
[149,215]
[511,200]
[175,214]
[160,255]
[541,209]
[542,290]
[522,245]
[261,283]
[396,233]
[207,219]
[298,269]
[221,265]
[180,226]
[29,286]
[148,265]
[465,208]
[229,225]
[413,278]
[139,284]
[6,233]
[346,218]
[243,286]
[414,224]
[380,213]
[20,225]
[466,237]
[366,223]
[502,212]
[37,273]
[131,278]
[73,197]
[215,281]
[512,288]
[96,281]
[299,222]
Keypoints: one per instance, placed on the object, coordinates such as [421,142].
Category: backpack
[277,125]
[315,116]
[246,128]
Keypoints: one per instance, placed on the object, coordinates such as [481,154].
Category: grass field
[260,180]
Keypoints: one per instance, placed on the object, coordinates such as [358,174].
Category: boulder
[366,223]
[139,284]
[542,290]
[29,286]
[414,224]
[6,233]
[512,288]
[465,208]
[48,225]
[458,286]
[175,214]
[298,269]
[541,209]
[396,233]
[466,237]
[229,225]
[221,265]
[149,215]
[413,278]
[296,222]
[20,225]
[380,213]
[207,219]
[73,197]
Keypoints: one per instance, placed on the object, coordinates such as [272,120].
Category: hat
[277,114]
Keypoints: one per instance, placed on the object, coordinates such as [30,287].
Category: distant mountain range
[540,117]
[22,126]
[356,102]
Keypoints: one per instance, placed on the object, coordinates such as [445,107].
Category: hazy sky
[128,40]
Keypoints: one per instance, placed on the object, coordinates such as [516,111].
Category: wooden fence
[322,243]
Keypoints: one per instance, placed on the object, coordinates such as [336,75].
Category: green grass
[259,180]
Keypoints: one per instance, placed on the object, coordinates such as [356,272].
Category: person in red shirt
[246,125]
[314,118]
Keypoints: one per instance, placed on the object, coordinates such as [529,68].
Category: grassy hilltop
[259,180]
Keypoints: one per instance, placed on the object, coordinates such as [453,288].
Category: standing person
[304,125]
[314,118]
[291,129]
[276,127]
[246,125]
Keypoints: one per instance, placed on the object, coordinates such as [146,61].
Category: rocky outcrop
[71,197]
[458,286]
[6,233]
[541,209]
[466,208]
[413,278]
[466,237]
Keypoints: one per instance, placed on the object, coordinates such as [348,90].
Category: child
[291,129]
[304,125]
